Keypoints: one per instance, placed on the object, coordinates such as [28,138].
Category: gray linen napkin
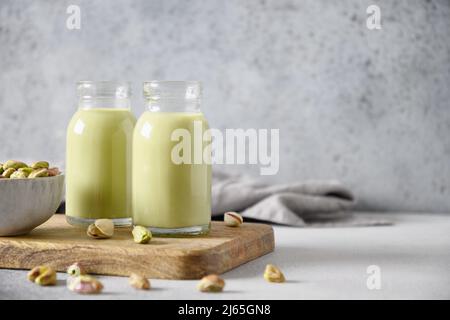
[301,204]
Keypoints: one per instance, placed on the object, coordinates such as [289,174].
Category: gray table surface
[413,256]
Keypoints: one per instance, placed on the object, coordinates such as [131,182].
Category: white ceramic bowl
[27,203]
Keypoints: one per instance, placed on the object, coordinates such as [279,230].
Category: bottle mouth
[87,89]
[160,90]
[103,94]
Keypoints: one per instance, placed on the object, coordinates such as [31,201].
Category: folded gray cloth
[309,203]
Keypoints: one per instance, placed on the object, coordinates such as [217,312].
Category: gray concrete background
[370,108]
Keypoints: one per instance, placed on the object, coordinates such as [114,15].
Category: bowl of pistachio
[29,195]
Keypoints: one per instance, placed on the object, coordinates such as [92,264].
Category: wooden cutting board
[58,244]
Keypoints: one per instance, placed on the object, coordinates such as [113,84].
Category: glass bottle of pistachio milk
[98,155]
[171,180]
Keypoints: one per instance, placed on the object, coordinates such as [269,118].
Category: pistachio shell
[101,229]
[18,175]
[38,173]
[40,165]
[53,172]
[42,275]
[233,219]
[211,283]
[13,164]
[84,284]
[48,278]
[93,232]
[273,274]
[139,282]
[106,226]
[35,272]
[8,172]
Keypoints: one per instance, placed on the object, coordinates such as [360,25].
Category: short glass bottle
[171,189]
[98,155]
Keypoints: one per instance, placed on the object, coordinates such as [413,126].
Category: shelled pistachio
[141,234]
[42,275]
[273,274]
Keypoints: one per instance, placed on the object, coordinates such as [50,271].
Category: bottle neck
[103,95]
[172,96]
[172,105]
[103,103]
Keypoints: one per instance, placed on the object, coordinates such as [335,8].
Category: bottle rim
[172,89]
[173,95]
[89,89]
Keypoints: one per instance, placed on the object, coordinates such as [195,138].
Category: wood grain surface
[58,244]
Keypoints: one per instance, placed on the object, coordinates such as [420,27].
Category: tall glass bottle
[98,163]
[171,179]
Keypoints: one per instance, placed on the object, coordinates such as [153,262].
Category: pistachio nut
[273,274]
[38,173]
[18,175]
[42,275]
[141,234]
[101,229]
[211,283]
[53,172]
[106,226]
[35,272]
[233,219]
[84,284]
[93,232]
[75,270]
[8,172]
[27,170]
[13,164]
[139,282]
[1,168]
[40,165]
